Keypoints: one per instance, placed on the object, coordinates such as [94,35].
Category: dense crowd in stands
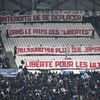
[4,61]
[47,85]
[51,86]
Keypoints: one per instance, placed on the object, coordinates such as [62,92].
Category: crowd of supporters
[51,86]
[4,61]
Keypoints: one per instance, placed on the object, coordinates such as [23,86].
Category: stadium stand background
[47,85]
[57,4]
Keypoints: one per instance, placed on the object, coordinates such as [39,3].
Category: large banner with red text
[18,32]
[62,64]
[44,16]
[58,50]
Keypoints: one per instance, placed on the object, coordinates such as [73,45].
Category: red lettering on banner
[30,50]
[63,50]
[40,31]
[83,65]
[60,50]
[79,17]
[86,32]
[61,64]
[92,49]
[47,50]
[95,65]
[98,63]
[52,50]
[54,17]
[73,17]
[35,31]
[96,49]
[66,17]
[58,17]
[37,49]
[36,17]
[76,49]
[20,50]
[15,32]
[53,32]
[39,64]
[2,19]
[23,50]
[42,64]
[15,19]
[27,31]
[76,31]
[43,32]
[46,17]
[64,64]
[30,64]
[27,18]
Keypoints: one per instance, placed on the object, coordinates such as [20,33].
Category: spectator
[15,52]
[92,34]
[4,61]
[51,86]
[7,34]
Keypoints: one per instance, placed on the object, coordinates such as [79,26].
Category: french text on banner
[65,50]
[62,64]
[18,32]
[44,16]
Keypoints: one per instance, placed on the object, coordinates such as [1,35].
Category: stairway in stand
[11,59]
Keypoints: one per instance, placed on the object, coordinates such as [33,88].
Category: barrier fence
[27,96]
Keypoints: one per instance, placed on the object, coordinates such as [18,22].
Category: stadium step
[11,59]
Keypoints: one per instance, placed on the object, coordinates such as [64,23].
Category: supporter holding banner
[68,50]
[18,32]
[62,64]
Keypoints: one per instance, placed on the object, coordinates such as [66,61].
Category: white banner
[58,50]
[10,72]
[44,16]
[48,32]
[62,64]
